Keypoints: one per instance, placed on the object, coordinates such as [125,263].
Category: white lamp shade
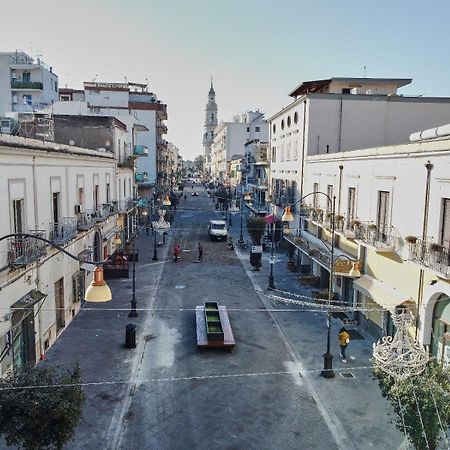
[166,201]
[98,290]
[287,215]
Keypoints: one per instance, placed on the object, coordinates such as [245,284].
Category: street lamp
[97,291]
[271,219]
[159,226]
[327,371]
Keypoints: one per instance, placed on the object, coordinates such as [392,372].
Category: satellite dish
[72,142]
[107,143]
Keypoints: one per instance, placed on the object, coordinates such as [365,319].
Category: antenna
[96,75]
[365,71]
[126,81]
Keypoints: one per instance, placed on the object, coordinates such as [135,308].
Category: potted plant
[411,239]
[435,247]
[356,223]
[372,227]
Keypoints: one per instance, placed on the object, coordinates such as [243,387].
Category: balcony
[431,255]
[140,150]
[125,206]
[384,241]
[86,220]
[27,85]
[126,163]
[26,250]
[141,177]
[63,231]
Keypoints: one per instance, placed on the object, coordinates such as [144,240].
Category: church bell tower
[210,126]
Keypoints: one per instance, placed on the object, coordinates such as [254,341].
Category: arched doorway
[97,256]
[440,335]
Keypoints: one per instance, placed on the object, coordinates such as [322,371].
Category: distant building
[26,85]
[231,137]
[209,127]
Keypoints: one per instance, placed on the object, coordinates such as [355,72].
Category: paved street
[266,394]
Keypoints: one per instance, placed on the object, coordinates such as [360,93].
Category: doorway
[59,305]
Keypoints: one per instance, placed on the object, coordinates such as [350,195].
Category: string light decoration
[400,356]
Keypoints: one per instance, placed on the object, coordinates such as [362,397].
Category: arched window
[212,117]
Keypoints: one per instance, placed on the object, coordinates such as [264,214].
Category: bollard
[130,336]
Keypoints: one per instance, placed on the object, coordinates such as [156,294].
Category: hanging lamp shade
[287,215]
[354,271]
[117,240]
[98,290]
[166,201]
[247,197]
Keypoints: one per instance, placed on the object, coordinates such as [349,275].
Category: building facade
[231,137]
[65,194]
[341,114]
[26,85]
[392,214]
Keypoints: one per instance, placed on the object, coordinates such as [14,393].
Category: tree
[41,417]
[198,163]
[427,393]
[256,227]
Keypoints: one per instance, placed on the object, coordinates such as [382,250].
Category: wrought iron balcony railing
[26,250]
[26,85]
[86,220]
[431,255]
[140,150]
[63,231]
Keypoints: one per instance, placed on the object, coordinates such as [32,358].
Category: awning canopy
[29,299]
[381,293]
[87,267]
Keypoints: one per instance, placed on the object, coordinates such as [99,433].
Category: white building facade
[64,194]
[340,114]
[231,137]
[26,85]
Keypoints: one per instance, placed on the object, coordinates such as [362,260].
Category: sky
[257,51]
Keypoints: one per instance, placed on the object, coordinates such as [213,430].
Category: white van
[217,230]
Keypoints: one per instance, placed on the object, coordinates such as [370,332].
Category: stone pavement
[352,398]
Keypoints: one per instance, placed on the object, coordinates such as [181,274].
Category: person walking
[200,252]
[344,339]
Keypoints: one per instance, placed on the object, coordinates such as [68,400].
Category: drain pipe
[429,166]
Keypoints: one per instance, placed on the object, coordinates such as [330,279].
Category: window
[295,117]
[96,197]
[383,213]
[346,91]
[274,154]
[315,195]
[26,77]
[211,134]
[27,99]
[274,128]
[107,193]
[351,206]
[288,151]
[17,207]
[282,124]
[289,121]
[257,129]
[330,194]
[248,129]
[295,151]
[282,152]
[55,205]
[81,196]
[211,118]
[445,223]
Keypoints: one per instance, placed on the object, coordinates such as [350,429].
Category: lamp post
[270,219]
[248,199]
[327,371]
[97,291]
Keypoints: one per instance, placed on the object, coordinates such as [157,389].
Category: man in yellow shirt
[344,339]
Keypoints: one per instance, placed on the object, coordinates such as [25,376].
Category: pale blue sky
[257,51]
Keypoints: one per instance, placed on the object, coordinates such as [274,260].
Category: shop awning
[25,305]
[381,293]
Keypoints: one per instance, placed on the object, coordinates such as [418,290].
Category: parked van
[217,230]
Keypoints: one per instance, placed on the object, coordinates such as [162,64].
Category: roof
[307,87]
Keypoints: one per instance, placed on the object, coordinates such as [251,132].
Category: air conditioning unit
[79,209]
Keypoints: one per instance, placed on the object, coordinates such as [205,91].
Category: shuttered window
[383,212]
[330,194]
[445,221]
[351,207]
[315,196]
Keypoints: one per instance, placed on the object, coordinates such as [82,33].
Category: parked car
[195,194]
